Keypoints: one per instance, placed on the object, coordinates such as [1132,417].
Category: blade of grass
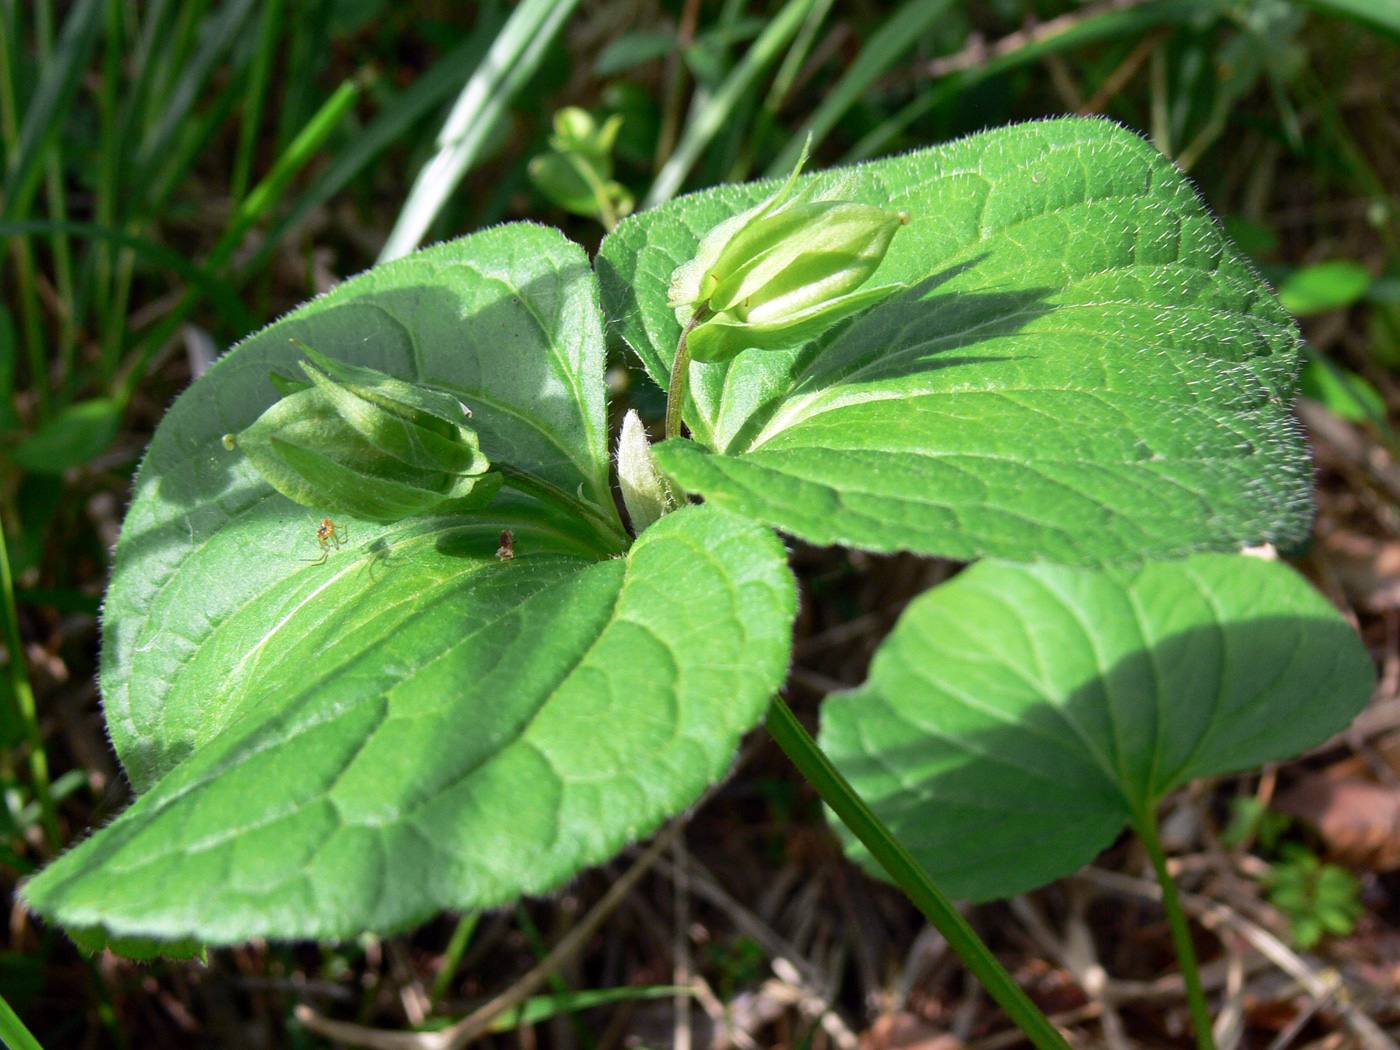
[155,192]
[562,991]
[837,793]
[512,60]
[56,195]
[217,34]
[95,283]
[151,43]
[230,308]
[395,118]
[1383,16]
[783,79]
[175,41]
[253,207]
[884,48]
[24,698]
[540,1008]
[58,81]
[705,123]
[306,52]
[26,151]
[25,286]
[251,121]
[267,192]
[956,73]
[13,1032]
[452,957]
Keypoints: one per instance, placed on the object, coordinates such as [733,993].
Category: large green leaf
[507,320]
[1080,367]
[1018,716]
[431,727]
[328,741]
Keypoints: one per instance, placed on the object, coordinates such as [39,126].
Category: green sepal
[722,337]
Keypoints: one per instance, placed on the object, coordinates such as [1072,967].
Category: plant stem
[679,385]
[818,770]
[1145,823]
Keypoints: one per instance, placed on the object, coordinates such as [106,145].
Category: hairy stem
[679,385]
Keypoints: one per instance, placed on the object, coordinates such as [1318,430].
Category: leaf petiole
[837,793]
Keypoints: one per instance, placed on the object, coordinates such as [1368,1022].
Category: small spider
[506,551]
[331,537]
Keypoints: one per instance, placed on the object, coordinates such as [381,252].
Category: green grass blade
[881,52]
[1383,16]
[220,31]
[139,64]
[817,769]
[712,116]
[262,197]
[251,121]
[230,308]
[269,190]
[13,1032]
[23,693]
[513,59]
[393,121]
[540,1008]
[44,117]
[1110,24]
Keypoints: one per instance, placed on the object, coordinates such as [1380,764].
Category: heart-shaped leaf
[1017,717]
[431,727]
[506,320]
[332,737]
[1079,367]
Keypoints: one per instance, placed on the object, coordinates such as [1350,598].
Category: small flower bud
[782,272]
[355,441]
[644,490]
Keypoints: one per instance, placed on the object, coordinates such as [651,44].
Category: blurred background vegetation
[174,174]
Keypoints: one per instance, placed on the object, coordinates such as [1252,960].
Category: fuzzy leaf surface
[506,320]
[441,729]
[1017,717]
[329,741]
[1079,367]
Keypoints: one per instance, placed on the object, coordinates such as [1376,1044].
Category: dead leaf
[902,1030]
[1368,569]
[1358,819]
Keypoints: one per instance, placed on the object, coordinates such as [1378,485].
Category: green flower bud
[782,272]
[355,441]
[576,173]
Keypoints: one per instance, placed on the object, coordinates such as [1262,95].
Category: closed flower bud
[782,272]
[352,440]
[644,489]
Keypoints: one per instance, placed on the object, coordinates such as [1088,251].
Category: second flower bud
[782,272]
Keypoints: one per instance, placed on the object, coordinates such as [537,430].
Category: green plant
[576,173]
[1318,898]
[1253,822]
[1070,366]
